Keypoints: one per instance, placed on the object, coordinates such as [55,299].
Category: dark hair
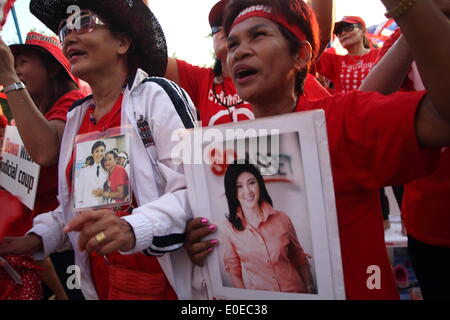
[217,68]
[233,172]
[61,83]
[111,152]
[296,12]
[97,144]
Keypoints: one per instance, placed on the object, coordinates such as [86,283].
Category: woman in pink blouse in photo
[261,249]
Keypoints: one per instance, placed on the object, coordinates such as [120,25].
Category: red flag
[5,6]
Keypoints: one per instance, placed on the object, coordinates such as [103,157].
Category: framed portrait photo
[267,186]
[101,171]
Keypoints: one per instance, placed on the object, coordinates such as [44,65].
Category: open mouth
[244,72]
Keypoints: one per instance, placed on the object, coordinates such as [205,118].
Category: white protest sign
[19,174]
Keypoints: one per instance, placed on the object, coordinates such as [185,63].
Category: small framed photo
[101,173]
[267,186]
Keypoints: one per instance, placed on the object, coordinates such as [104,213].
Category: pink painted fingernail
[204,221]
[214,242]
[210,249]
[212,227]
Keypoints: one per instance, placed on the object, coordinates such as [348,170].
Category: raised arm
[427,31]
[324,10]
[389,73]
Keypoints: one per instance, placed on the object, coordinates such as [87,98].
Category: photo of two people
[101,173]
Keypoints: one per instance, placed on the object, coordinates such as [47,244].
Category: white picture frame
[305,194]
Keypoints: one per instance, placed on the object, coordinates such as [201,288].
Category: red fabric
[198,83]
[30,289]
[267,12]
[425,206]
[3,121]
[313,90]
[350,19]
[118,177]
[346,72]
[15,218]
[372,141]
[138,261]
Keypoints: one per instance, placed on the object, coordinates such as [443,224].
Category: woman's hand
[28,244]
[197,249]
[7,72]
[103,231]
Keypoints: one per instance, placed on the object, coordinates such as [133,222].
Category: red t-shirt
[3,121]
[199,84]
[425,206]
[372,140]
[19,218]
[137,261]
[346,72]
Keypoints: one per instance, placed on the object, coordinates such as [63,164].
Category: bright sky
[185,24]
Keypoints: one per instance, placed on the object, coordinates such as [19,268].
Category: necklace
[91,108]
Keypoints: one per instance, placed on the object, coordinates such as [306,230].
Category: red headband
[267,12]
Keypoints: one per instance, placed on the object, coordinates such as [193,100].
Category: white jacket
[158,184]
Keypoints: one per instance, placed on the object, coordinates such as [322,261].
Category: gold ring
[100,237]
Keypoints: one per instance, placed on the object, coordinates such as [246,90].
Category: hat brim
[133,17]
[338,24]
[17,48]
[216,14]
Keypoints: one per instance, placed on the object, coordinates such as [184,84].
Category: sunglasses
[215,30]
[79,22]
[347,28]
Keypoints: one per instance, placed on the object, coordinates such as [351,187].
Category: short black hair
[97,144]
